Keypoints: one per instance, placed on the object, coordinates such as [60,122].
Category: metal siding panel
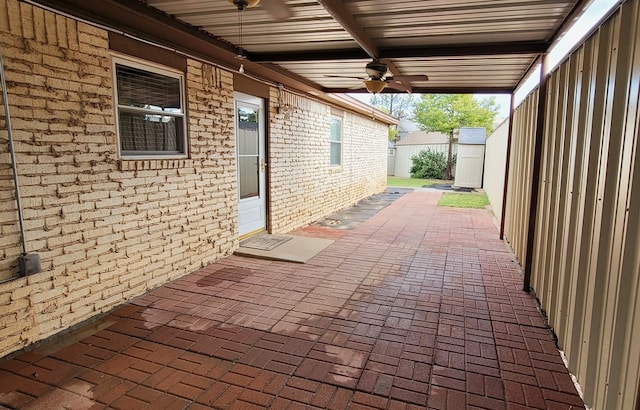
[598,87]
[602,233]
[539,250]
[514,179]
[524,183]
[586,202]
[566,204]
[587,272]
[559,188]
[626,353]
[542,247]
[520,175]
[518,191]
[528,182]
[572,212]
[619,168]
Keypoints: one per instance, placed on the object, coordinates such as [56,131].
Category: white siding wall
[494,163]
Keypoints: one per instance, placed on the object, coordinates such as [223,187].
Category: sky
[592,15]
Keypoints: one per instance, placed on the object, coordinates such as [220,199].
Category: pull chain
[240,55]
[239,33]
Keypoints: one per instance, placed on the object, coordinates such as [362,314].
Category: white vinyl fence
[405,152]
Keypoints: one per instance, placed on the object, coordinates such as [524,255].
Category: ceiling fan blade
[397,85]
[344,76]
[419,77]
[278,9]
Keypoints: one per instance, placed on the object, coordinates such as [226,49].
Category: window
[336,141]
[150,110]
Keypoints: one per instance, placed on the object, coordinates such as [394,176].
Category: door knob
[263,164]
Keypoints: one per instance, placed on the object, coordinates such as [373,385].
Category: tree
[396,105]
[446,113]
[393,133]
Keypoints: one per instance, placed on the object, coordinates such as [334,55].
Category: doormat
[264,242]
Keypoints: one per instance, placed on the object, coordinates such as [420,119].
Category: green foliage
[448,112]
[393,134]
[428,164]
[464,200]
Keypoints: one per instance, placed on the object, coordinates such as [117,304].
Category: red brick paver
[418,307]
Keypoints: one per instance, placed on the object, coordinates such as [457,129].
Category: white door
[250,142]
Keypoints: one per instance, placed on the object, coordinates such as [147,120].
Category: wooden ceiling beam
[345,18]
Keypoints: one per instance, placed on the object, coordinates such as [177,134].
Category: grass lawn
[464,200]
[398,182]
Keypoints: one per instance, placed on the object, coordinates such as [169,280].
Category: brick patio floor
[418,307]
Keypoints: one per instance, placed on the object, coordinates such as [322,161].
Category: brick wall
[304,187]
[108,230]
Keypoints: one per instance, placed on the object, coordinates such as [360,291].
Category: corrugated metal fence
[519,191]
[586,251]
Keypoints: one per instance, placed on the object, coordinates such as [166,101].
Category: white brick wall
[108,230]
[304,187]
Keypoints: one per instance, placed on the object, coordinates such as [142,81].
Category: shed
[415,142]
[470,163]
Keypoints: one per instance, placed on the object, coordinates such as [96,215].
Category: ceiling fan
[278,9]
[378,78]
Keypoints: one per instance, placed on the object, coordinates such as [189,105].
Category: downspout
[535,177]
[503,212]
[27,264]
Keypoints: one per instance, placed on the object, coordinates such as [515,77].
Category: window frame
[333,143]
[129,61]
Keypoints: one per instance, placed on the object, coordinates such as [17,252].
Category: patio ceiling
[461,45]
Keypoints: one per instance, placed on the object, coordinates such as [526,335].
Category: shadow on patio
[419,306]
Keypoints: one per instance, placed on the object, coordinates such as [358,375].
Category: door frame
[260,103]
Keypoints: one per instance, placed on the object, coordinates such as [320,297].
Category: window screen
[151,120]
[336,141]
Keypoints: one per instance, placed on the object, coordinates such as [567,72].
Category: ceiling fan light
[376,69]
[374,86]
[244,4]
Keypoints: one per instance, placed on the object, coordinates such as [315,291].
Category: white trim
[129,61]
[340,143]
[248,205]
